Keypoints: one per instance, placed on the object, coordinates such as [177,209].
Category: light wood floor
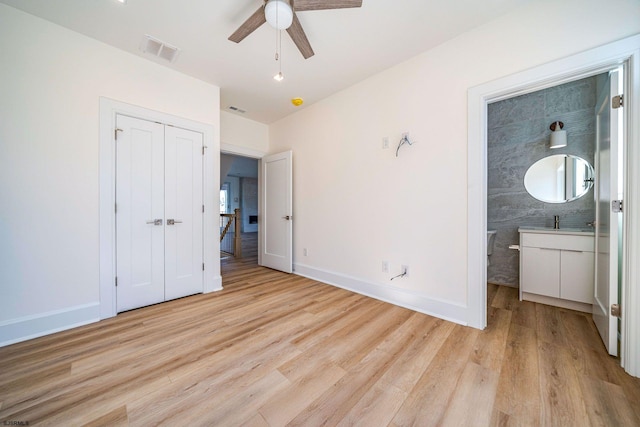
[274,349]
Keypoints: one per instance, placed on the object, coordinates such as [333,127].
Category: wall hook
[404,140]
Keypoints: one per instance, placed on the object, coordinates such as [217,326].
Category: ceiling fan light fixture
[278,14]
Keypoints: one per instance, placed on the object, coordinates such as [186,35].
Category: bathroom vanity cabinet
[556,267]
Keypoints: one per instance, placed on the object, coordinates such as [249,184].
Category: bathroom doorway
[534,181]
[589,63]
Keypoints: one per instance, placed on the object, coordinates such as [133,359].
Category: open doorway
[589,63]
[548,228]
[238,209]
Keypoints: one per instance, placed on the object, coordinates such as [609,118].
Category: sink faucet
[556,219]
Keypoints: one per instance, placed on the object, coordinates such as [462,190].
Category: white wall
[243,136]
[50,83]
[356,204]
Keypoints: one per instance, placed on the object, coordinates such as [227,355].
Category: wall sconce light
[558,136]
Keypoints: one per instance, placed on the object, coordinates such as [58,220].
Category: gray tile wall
[518,136]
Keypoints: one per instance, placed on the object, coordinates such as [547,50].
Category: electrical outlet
[385,266]
[305,252]
[385,142]
[405,270]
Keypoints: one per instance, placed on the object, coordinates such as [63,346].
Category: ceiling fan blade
[302,5]
[249,26]
[300,38]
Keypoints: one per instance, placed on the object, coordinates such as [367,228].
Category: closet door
[140,213]
[183,212]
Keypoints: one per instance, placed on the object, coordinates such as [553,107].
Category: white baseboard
[402,297]
[34,326]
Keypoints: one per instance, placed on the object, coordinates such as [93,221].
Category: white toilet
[491,236]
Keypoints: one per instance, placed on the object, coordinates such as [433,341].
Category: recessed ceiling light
[122,1]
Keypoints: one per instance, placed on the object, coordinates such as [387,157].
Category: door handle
[287,217]
[173,221]
[155,222]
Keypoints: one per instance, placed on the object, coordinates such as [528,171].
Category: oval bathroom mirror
[559,178]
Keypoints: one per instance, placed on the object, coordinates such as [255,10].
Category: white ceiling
[349,44]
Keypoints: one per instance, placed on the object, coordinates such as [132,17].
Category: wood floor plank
[305,387]
[518,387]
[334,404]
[376,407]
[524,314]
[273,349]
[473,398]
[428,401]
[549,326]
[428,335]
[606,403]
[562,403]
[492,289]
[117,417]
[506,298]
[489,349]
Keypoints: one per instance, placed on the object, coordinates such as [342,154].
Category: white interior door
[607,188]
[276,227]
[183,212]
[159,219]
[140,213]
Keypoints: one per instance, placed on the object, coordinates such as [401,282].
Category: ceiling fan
[282,15]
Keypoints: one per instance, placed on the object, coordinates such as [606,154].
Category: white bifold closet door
[159,241]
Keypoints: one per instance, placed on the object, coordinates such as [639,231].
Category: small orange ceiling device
[297,101]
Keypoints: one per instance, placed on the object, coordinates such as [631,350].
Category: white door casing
[159,223]
[606,225]
[277,217]
[140,216]
[183,212]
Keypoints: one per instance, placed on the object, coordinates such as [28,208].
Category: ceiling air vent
[159,48]
[237,110]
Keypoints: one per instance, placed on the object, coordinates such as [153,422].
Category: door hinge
[203,150]
[616,206]
[115,208]
[202,208]
[116,281]
[115,133]
[203,266]
[615,310]
[617,101]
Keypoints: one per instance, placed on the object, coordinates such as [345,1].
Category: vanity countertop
[549,230]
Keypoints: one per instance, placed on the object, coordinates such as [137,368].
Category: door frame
[109,108]
[581,65]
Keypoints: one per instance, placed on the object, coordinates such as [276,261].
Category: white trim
[109,108]
[577,66]
[241,151]
[402,297]
[630,298]
[37,325]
